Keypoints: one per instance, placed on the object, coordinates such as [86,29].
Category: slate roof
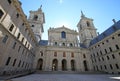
[43,42]
[82,45]
[106,33]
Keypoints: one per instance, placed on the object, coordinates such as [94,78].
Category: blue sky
[68,12]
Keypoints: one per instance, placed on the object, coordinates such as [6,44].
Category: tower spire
[82,15]
[40,8]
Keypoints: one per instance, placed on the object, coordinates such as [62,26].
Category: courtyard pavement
[68,77]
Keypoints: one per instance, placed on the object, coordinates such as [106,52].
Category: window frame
[5,39]
[1,13]
[63,34]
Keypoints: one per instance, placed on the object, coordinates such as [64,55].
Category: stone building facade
[17,41]
[36,21]
[105,50]
[62,52]
[21,51]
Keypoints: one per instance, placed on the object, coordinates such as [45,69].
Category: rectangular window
[9,1]
[18,36]
[117,66]
[11,27]
[107,40]
[113,37]
[5,39]
[103,43]
[113,56]
[63,34]
[14,45]
[118,35]
[19,48]
[26,43]
[110,49]
[1,13]
[108,57]
[23,64]
[102,58]
[105,67]
[22,40]
[117,47]
[17,15]
[55,54]
[111,66]
[14,62]
[8,61]
[64,54]
[72,54]
[119,54]
[101,67]
[101,52]
[19,63]
[105,51]
[97,54]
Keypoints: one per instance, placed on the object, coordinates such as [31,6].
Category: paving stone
[68,77]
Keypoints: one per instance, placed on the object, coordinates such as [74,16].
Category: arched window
[88,24]
[63,44]
[32,26]
[41,53]
[55,43]
[40,64]
[71,45]
[63,34]
[84,56]
[35,17]
[55,65]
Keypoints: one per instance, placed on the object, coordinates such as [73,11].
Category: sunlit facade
[23,51]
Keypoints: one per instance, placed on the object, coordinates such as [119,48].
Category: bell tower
[86,30]
[36,20]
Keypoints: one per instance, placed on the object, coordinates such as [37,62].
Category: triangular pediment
[63,28]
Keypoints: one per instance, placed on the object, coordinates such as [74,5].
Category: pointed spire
[82,15]
[40,8]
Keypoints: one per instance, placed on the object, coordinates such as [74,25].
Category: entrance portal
[64,65]
[55,65]
[85,65]
[72,65]
[40,64]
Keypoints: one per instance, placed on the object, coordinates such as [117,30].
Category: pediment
[63,28]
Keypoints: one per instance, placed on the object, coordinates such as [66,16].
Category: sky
[68,12]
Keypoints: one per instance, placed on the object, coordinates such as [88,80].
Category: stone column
[59,65]
[69,65]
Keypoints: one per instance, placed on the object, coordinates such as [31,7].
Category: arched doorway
[40,64]
[55,65]
[85,65]
[73,65]
[64,65]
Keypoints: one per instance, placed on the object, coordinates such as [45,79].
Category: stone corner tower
[36,20]
[86,30]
